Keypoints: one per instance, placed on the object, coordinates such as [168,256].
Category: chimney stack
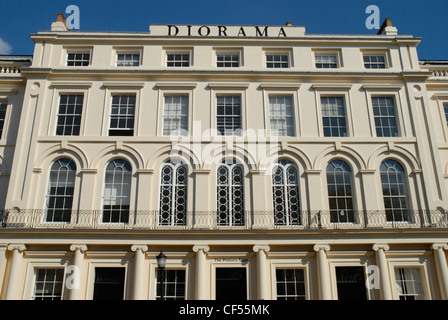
[60,24]
[387,28]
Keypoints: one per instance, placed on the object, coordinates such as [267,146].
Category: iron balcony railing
[212,220]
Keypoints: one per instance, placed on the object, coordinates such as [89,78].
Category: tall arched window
[117,192]
[285,185]
[395,191]
[339,183]
[60,190]
[230,194]
[173,194]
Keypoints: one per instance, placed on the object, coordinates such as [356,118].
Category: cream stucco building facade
[265,162]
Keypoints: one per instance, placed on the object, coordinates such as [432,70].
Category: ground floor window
[48,284]
[109,284]
[172,286]
[409,283]
[290,284]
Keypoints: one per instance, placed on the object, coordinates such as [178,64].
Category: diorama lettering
[224,31]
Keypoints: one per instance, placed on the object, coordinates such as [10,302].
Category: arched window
[395,193]
[60,190]
[173,194]
[339,184]
[117,192]
[230,200]
[285,188]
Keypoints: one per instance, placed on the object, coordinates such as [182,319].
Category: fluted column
[139,270]
[14,273]
[323,271]
[381,260]
[442,269]
[78,261]
[262,272]
[201,283]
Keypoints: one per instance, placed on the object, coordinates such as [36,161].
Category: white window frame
[41,260]
[49,196]
[290,261]
[120,88]
[334,90]
[278,52]
[395,116]
[231,52]
[179,131]
[284,117]
[174,186]
[68,88]
[329,52]
[68,115]
[351,183]
[77,50]
[165,282]
[410,260]
[130,196]
[169,51]
[407,196]
[222,89]
[173,89]
[442,99]
[123,51]
[286,198]
[373,52]
[395,93]
[229,197]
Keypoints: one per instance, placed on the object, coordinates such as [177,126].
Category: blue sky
[426,19]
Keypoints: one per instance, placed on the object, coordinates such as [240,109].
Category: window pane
[409,283]
[384,113]
[333,117]
[117,190]
[339,192]
[122,115]
[69,115]
[290,284]
[48,284]
[228,118]
[61,190]
[173,194]
[230,194]
[286,202]
[281,116]
[394,191]
[173,285]
[175,116]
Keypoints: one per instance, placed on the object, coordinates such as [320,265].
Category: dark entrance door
[109,284]
[231,284]
[351,283]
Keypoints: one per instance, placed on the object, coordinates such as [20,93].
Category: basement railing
[212,220]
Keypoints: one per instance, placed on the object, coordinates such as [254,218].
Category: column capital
[380,246]
[264,248]
[437,246]
[319,247]
[141,247]
[16,246]
[80,247]
[204,248]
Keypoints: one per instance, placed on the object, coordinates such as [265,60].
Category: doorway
[351,283]
[231,284]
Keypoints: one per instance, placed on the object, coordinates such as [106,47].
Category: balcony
[247,220]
